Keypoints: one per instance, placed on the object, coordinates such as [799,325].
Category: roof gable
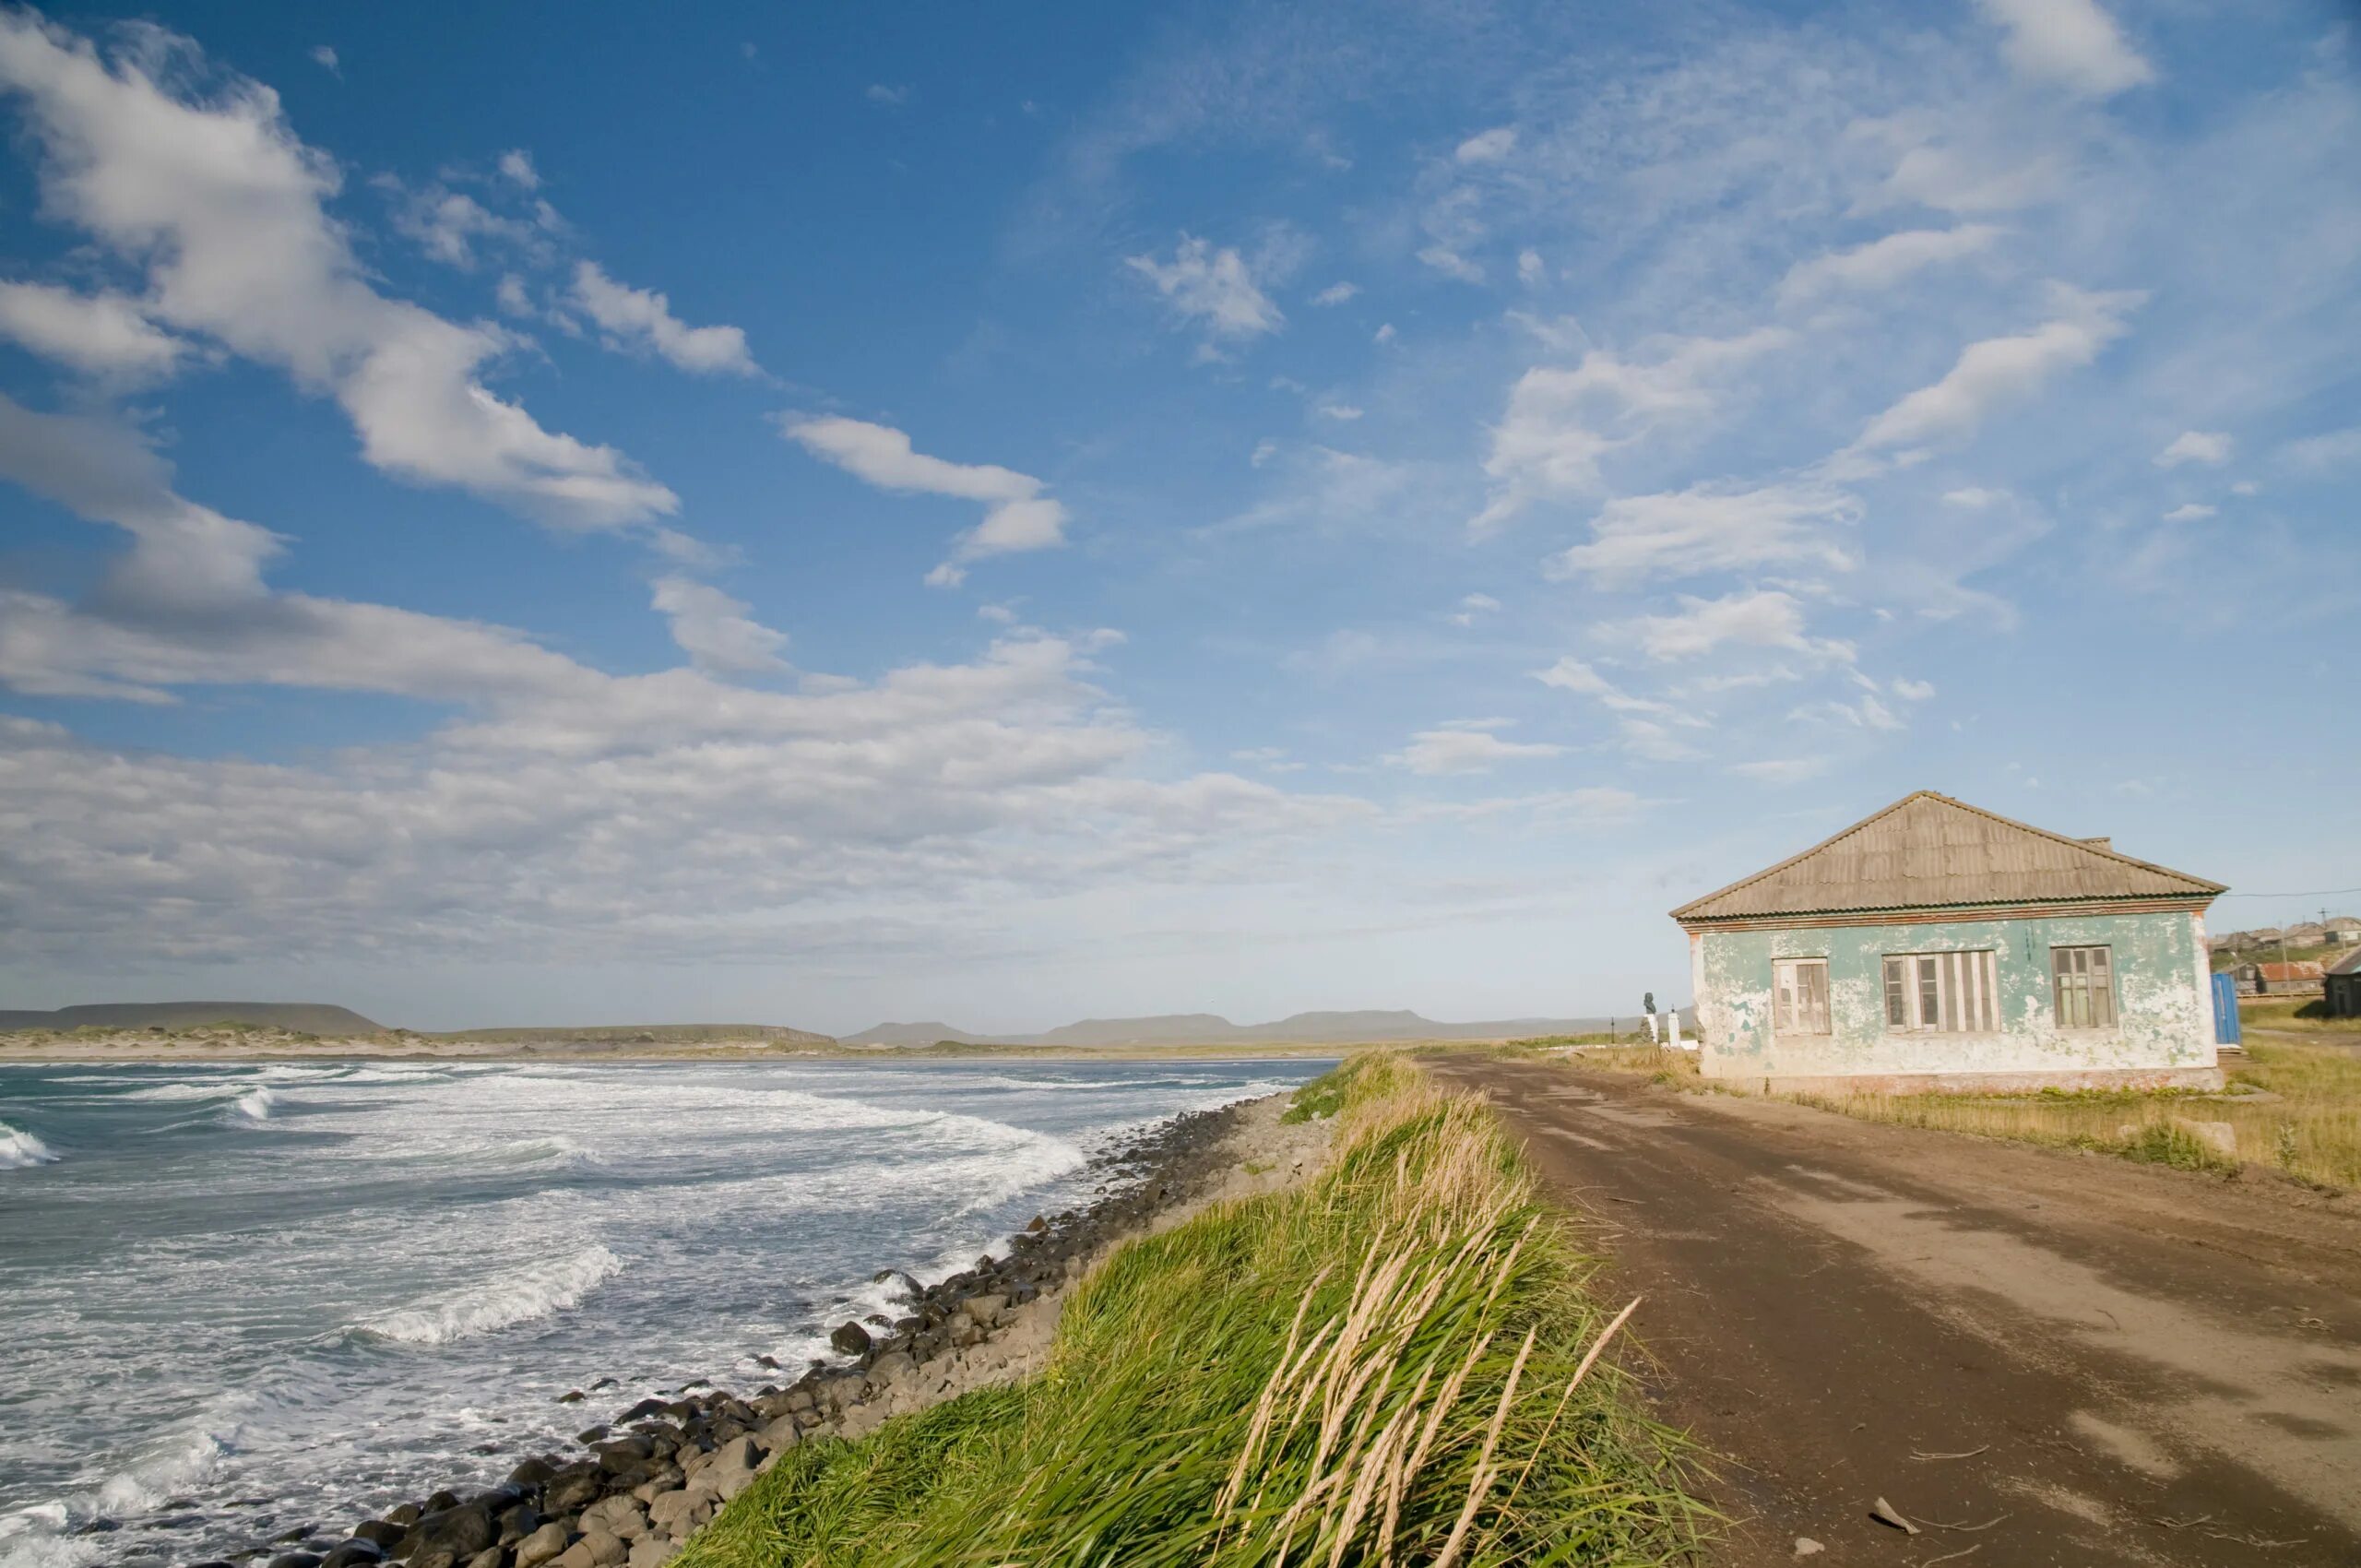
[1929,851]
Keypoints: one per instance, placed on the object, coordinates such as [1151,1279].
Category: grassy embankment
[2312,1130]
[2298,1017]
[1395,1362]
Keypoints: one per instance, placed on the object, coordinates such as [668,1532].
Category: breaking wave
[539,1290]
[19,1149]
[254,1105]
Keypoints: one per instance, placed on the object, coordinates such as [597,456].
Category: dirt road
[2048,1357]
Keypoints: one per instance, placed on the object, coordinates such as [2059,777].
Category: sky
[1008,514]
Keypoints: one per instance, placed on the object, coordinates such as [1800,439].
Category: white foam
[537,1290]
[190,1091]
[255,1104]
[19,1148]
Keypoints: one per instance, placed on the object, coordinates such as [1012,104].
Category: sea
[236,1300]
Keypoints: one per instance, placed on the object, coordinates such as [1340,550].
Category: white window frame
[1799,997]
[1955,993]
[2085,986]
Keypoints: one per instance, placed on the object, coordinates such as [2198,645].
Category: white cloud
[1488,147]
[517,167]
[101,334]
[2327,451]
[1757,618]
[1342,413]
[1974,497]
[1561,423]
[1335,294]
[1466,745]
[1882,263]
[511,296]
[325,58]
[1383,334]
[2000,371]
[1214,287]
[1018,516]
[1530,268]
[2210,447]
[1474,607]
[1913,691]
[1451,263]
[643,318]
[448,224]
[221,204]
[888,97]
[1710,527]
[2190,512]
[2073,43]
[714,630]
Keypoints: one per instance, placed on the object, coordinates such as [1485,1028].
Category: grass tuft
[1394,1363]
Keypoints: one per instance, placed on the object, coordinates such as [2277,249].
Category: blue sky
[1019,513]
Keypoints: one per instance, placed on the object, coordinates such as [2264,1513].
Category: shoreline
[80,1053]
[638,1485]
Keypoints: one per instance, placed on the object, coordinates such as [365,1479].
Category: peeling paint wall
[2164,1018]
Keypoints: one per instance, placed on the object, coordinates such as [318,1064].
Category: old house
[2301,977]
[2342,987]
[2307,934]
[1937,945]
[2344,928]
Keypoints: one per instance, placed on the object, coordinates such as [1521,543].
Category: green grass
[1385,1365]
[2326,952]
[2310,1017]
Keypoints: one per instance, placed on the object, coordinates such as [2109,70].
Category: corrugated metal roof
[2348,965]
[2300,969]
[1929,851]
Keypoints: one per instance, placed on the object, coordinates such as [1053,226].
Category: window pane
[1930,996]
[1897,996]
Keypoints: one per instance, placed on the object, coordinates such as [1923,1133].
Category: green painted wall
[2163,1015]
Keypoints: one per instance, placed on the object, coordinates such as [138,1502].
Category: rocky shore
[643,1482]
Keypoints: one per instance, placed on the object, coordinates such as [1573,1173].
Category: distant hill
[925,1034]
[304,1017]
[644,1034]
[1211,1028]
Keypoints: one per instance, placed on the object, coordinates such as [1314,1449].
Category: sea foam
[537,1290]
[19,1148]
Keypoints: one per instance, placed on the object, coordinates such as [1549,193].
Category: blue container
[2226,1009]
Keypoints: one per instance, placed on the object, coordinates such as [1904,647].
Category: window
[1942,992]
[2082,981]
[1799,997]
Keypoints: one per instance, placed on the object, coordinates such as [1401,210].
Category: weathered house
[1936,945]
[2308,935]
[2301,977]
[2342,987]
[2344,928]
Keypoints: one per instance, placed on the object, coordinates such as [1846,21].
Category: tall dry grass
[1394,1364]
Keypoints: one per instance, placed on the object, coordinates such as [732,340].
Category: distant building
[2344,928]
[2308,935]
[2341,987]
[1937,945]
[2301,977]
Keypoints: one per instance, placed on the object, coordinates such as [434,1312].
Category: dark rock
[403,1514]
[99,1527]
[298,1533]
[385,1532]
[296,1560]
[849,1339]
[770,1362]
[577,1486]
[642,1410]
[354,1553]
[516,1524]
[590,1434]
[571,1397]
[446,1498]
[454,1534]
[602,1382]
[533,1472]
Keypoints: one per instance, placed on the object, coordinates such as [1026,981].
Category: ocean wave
[172,1092]
[255,1104]
[537,1290]
[19,1148]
